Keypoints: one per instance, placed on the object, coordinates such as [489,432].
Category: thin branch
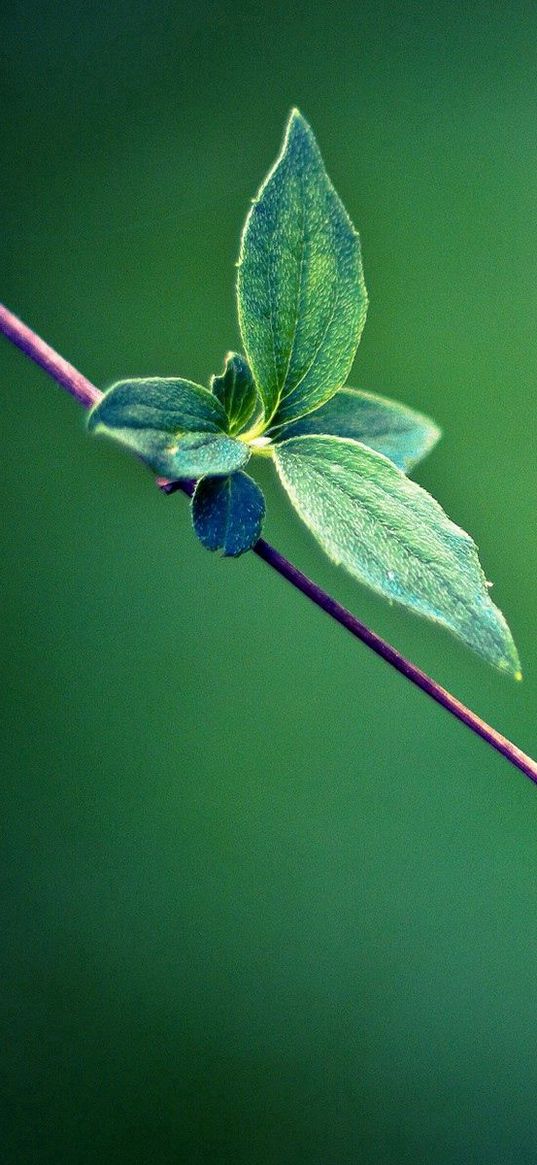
[394,657]
[85,392]
[60,370]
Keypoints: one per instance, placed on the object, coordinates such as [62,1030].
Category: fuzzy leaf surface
[390,428]
[301,294]
[176,426]
[394,537]
[171,404]
[227,513]
[199,454]
[236,391]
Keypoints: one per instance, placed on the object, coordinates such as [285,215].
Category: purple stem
[60,370]
[85,392]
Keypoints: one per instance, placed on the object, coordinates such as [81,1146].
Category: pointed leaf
[301,293]
[236,391]
[227,513]
[400,433]
[394,537]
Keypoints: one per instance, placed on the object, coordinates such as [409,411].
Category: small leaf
[400,433]
[173,405]
[394,537]
[176,426]
[236,391]
[227,513]
[198,454]
[301,293]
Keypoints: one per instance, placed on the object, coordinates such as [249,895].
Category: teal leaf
[394,537]
[198,454]
[400,433]
[227,513]
[176,426]
[236,391]
[170,405]
[184,455]
[301,294]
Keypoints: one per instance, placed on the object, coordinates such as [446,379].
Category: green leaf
[227,513]
[301,293]
[198,454]
[398,432]
[170,405]
[185,455]
[394,537]
[236,391]
[177,427]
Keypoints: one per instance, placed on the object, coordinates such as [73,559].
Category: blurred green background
[263,901]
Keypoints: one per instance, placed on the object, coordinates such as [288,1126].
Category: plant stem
[60,370]
[86,393]
[394,657]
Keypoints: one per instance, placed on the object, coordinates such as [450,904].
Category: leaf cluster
[342,454]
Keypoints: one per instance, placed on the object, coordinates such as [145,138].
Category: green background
[263,901]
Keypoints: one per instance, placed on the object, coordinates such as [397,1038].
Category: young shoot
[341,454]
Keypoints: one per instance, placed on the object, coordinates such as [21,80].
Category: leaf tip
[511,661]
[297,125]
